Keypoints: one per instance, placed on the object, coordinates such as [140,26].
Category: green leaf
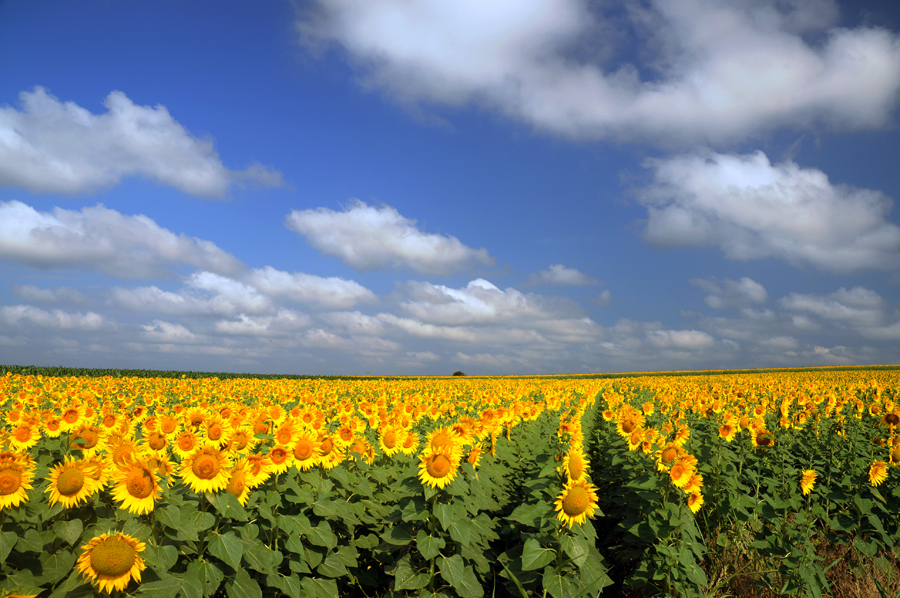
[321,535]
[228,505]
[209,576]
[192,521]
[227,547]
[56,566]
[7,541]
[555,584]
[166,586]
[398,535]
[530,514]
[534,556]
[243,586]
[260,557]
[160,558]
[407,578]
[289,585]
[30,542]
[319,588]
[460,576]
[69,531]
[576,548]
[429,546]
[170,516]
[332,566]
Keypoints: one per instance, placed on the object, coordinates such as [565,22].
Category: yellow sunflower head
[808,480]
[206,470]
[137,487]
[576,503]
[878,473]
[237,482]
[112,561]
[16,473]
[307,450]
[437,468]
[574,464]
[70,483]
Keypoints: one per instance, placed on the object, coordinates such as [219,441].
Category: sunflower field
[688,484]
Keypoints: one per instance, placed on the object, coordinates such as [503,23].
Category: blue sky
[388,187]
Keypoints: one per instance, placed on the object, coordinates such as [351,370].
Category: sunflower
[682,470]
[576,502]
[574,464]
[137,487]
[307,450]
[155,443]
[53,427]
[877,473]
[389,440]
[112,562]
[70,484]
[280,459]
[694,484]
[761,437]
[88,439]
[437,468]
[410,443]
[440,438]
[808,480]
[16,473]
[330,455]
[727,430]
[206,470]
[24,437]
[286,435]
[185,444]
[70,417]
[237,482]
[361,446]
[258,470]
[168,424]
[474,456]
[695,501]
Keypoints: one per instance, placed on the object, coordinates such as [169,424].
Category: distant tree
[458,373]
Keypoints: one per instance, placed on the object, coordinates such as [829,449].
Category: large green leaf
[243,586]
[460,576]
[407,578]
[209,576]
[69,531]
[534,556]
[227,547]
[429,546]
[228,505]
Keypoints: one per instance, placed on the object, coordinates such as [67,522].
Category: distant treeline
[60,371]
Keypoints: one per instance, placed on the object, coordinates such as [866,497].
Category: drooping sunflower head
[575,464]
[437,468]
[70,483]
[576,503]
[695,501]
[112,561]
[237,482]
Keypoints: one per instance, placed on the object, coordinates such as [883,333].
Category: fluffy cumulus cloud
[35,294]
[859,309]
[732,293]
[560,275]
[327,293]
[370,238]
[102,239]
[51,146]
[754,209]
[709,71]
[13,315]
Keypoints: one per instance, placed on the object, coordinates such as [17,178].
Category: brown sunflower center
[441,440]
[677,472]
[214,432]
[236,484]
[23,434]
[283,436]
[157,441]
[70,481]
[438,466]
[196,421]
[10,481]
[206,467]
[892,419]
[186,443]
[109,421]
[628,426]
[168,426]
[576,466]
[326,447]
[240,441]
[576,501]
[70,416]
[764,439]
[113,556]
[668,455]
[260,428]
[53,425]
[303,450]
[389,439]
[139,483]
[86,439]
[278,455]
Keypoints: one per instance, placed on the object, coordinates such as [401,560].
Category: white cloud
[560,275]
[103,239]
[370,238]
[56,147]
[327,293]
[166,332]
[58,319]
[753,209]
[603,299]
[32,293]
[732,293]
[285,322]
[709,71]
[858,307]
[680,339]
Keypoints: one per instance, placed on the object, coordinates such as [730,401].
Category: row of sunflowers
[305,488]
